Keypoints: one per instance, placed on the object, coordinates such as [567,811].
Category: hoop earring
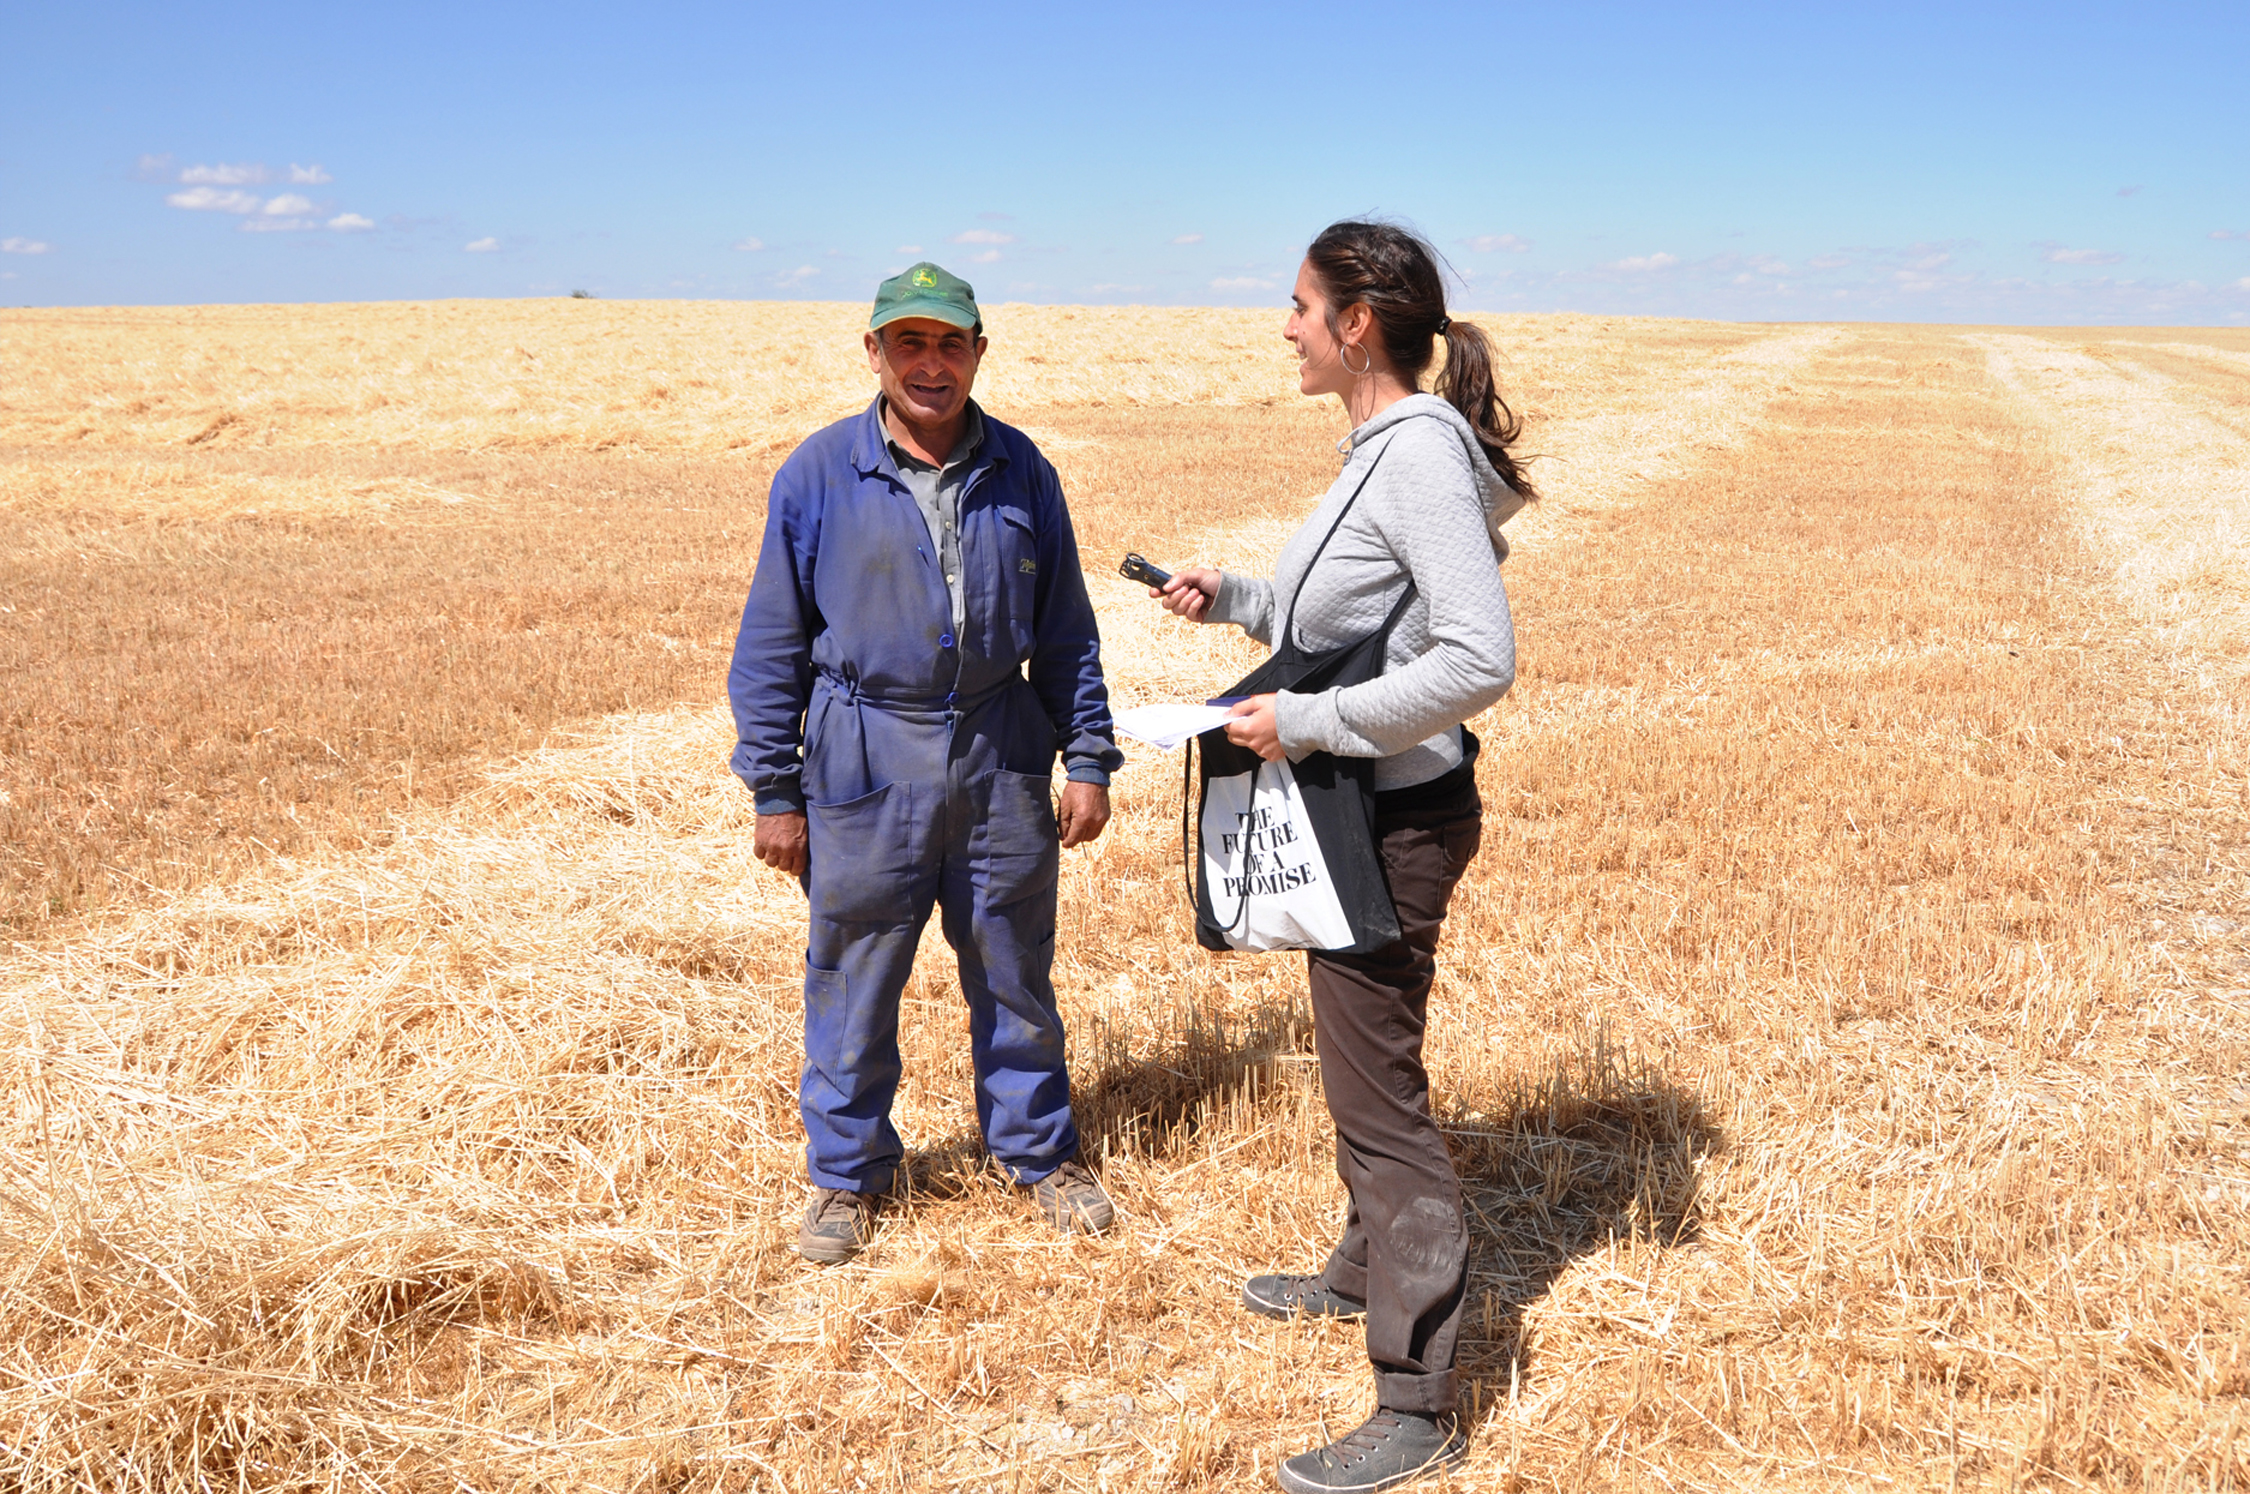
[1357,373]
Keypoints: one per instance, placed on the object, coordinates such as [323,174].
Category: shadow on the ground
[1603,1148]
[1153,1103]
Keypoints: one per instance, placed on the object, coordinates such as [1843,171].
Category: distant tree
[582,295]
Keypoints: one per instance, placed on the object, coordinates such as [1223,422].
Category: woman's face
[1319,369]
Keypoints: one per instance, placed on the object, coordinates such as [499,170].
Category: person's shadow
[1603,1148]
[1143,1097]
[1600,1147]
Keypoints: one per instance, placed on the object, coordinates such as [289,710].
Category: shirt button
[945,640]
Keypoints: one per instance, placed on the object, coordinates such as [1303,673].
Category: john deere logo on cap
[925,277]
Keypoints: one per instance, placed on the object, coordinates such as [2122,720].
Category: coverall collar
[871,444]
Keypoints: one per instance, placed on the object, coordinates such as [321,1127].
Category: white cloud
[2062,256]
[797,276]
[2220,233]
[7,274]
[278,225]
[983,236]
[308,176]
[908,249]
[986,258]
[1241,283]
[16,245]
[486,245]
[1490,243]
[2243,284]
[288,205]
[2127,191]
[350,223]
[1639,262]
[1930,262]
[246,174]
[1828,261]
[1108,288]
[212,200]
[750,245]
[1187,238]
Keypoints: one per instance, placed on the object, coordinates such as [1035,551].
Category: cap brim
[931,308]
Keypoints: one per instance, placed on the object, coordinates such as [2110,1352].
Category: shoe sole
[1284,1311]
[828,1255]
[1431,1469]
[1071,1222]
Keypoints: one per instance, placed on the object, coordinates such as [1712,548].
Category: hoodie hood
[1501,502]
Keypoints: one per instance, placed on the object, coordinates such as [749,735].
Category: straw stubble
[1839,1033]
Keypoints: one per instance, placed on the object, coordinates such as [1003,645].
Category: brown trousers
[1405,1250]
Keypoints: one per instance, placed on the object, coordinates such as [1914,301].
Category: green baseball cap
[926,290]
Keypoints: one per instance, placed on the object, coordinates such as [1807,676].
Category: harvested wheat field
[1842,1033]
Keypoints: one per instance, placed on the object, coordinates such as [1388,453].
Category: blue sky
[2029,164]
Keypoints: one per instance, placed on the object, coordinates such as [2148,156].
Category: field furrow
[2163,473]
[1841,1032]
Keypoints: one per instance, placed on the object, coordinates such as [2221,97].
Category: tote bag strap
[1288,631]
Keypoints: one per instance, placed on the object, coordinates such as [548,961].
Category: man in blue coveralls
[917,646]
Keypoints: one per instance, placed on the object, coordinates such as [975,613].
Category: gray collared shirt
[937,492]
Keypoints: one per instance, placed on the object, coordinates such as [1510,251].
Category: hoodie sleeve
[1426,506]
[1245,601]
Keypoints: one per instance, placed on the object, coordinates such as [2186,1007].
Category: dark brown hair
[1393,272]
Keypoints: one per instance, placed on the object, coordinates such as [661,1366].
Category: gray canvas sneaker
[1389,1448]
[1286,1296]
[837,1225]
[1072,1199]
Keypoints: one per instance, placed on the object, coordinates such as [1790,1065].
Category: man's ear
[983,342]
[874,352]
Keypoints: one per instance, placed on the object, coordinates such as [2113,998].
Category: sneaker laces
[837,1205]
[1368,1437]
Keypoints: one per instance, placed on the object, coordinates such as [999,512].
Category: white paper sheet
[1168,725]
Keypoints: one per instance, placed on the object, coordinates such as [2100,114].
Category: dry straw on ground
[1840,1032]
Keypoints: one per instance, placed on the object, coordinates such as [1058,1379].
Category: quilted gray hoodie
[1431,512]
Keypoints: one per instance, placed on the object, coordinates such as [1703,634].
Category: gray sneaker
[1286,1296]
[1072,1199]
[1389,1448]
[837,1226]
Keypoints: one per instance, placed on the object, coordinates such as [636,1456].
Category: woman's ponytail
[1466,383]
[1393,272]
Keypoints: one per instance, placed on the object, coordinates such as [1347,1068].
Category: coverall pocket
[1019,579]
[1022,850]
[862,857]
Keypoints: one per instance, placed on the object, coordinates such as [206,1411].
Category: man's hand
[1253,724]
[780,842]
[1083,812]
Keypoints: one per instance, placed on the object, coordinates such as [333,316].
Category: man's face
[927,367]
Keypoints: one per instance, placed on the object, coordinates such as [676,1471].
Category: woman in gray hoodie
[1434,483]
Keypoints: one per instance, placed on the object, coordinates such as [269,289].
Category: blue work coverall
[921,761]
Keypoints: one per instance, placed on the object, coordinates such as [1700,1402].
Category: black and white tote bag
[1285,852]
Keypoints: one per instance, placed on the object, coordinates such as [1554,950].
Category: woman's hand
[1190,592]
[1253,724]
